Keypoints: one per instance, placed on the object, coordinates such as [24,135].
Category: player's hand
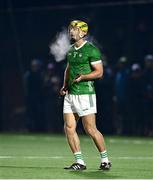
[78,78]
[63,91]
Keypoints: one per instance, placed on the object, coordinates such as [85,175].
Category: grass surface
[44,156]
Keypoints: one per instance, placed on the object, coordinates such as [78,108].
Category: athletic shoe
[76,167]
[105,166]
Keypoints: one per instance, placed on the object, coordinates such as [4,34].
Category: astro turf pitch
[35,156]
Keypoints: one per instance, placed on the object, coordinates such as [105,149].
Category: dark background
[120,28]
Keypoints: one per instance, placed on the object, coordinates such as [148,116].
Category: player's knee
[69,129]
[90,130]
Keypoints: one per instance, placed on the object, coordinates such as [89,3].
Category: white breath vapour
[60,46]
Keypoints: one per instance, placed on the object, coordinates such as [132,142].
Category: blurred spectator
[136,100]
[34,97]
[121,96]
[148,94]
[104,88]
[52,103]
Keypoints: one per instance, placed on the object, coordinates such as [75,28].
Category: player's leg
[89,123]
[70,123]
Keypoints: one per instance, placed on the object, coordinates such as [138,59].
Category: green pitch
[44,156]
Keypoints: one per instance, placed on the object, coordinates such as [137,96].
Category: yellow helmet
[77,23]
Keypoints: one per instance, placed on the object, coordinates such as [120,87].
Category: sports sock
[104,157]
[79,158]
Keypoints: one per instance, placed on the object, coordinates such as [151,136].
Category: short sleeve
[95,56]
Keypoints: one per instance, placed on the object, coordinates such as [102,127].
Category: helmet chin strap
[81,37]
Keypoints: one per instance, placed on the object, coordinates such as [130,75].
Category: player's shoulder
[90,44]
[71,48]
[93,48]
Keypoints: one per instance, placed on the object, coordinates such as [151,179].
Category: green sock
[104,157]
[79,158]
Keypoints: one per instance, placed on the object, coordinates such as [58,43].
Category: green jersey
[80,62]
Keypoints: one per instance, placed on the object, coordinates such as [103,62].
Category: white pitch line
[133,158]
[125,141]
[31,157]
[71,179]
[62,157]
[136,142]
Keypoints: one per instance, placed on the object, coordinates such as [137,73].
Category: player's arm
[63,90]
[95,74]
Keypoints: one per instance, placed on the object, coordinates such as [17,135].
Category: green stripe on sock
[78,156]
[103,154]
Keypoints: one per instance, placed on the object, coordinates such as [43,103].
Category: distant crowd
[125,97]
[43,106]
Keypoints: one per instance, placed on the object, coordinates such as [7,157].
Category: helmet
[77,23]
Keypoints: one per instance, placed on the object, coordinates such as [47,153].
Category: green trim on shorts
[91,101]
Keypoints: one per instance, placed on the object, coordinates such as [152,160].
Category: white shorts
[81,104]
